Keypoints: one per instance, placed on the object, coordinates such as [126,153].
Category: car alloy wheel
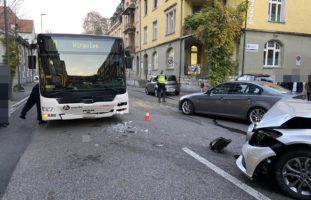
[293,173]
[256,114]
[146,91]
[187,107]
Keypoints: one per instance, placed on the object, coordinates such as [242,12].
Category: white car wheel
[293,173]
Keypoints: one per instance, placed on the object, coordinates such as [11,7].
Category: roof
[23,25]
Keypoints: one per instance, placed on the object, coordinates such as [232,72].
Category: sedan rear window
[171,78]
[275,88]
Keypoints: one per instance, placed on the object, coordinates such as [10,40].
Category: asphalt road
[126,157]
[14,139]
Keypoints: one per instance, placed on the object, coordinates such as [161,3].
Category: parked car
[171,85]
[255,77]
[280,145]
[247,100]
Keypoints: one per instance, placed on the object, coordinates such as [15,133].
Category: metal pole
[244,38]
[18,66]
[5,82]
[181,41]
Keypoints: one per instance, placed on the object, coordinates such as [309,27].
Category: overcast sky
[64,16]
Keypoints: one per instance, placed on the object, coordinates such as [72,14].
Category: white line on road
[227,176]
[17,105]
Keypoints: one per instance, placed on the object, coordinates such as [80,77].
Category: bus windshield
[80,63]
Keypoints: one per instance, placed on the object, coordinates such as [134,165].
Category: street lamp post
[41,21]
[244,39]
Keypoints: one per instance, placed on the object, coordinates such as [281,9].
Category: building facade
[125,23]
[277,39]
[164,44]
[24,33]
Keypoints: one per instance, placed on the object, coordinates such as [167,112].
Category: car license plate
[88,116]
[170,90]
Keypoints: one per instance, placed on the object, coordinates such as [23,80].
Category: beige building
[125,23]
[152,29]
[277,39]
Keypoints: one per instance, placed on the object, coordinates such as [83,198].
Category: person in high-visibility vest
[161,79]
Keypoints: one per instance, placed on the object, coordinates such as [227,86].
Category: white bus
[81,76]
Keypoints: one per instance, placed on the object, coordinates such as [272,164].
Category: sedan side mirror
[128,62]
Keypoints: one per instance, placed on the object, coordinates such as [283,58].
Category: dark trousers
[161,91]
[33,99]
[308,96]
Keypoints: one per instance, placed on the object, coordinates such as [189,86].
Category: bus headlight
[47,109]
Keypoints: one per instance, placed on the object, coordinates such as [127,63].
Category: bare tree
[95,24]
[16,6]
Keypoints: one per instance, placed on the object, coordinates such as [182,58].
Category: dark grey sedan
[247,100]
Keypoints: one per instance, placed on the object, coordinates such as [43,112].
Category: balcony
[129,28]
[130,9]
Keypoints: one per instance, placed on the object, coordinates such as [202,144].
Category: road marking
[17,105]
[227,176]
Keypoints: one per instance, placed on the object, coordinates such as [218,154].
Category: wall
[297,15]
[291,46]
[159,14]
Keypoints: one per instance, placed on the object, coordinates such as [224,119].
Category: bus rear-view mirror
[32,62]
[128,62]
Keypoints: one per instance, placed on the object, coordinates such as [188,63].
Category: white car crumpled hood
[283,111]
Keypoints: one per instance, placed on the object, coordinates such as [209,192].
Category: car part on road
[187,107]
[293,173]
[219,144]
[256,114]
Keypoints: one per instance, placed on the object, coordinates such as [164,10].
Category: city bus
[81,76]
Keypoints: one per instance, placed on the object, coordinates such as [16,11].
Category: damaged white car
[280,144]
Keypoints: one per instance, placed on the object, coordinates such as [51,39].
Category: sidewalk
[17,97]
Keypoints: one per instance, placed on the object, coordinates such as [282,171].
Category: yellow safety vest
[161,79]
